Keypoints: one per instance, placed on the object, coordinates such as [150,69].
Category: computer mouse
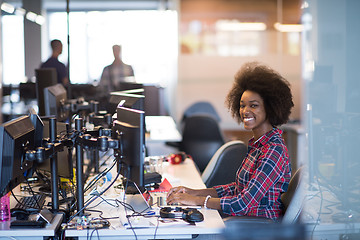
[193,215]
[20,214]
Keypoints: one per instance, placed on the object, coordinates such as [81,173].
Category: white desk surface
[161,129]
[28,234]
[182,174]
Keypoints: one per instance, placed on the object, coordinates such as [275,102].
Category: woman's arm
[188,196]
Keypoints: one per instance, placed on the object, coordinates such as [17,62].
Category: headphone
[190,215]
[177,158]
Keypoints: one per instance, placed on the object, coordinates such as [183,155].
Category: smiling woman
[273,90]
[253,114]
[262,100]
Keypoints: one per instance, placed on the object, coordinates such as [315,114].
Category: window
[149,42]
[13,49]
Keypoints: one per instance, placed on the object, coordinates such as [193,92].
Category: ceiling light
[289,27]
[304,5]
[31,16]
[40,20]
[20,11]
[6,7]
[226,25]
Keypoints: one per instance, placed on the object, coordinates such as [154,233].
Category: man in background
[53,62]
[116,72]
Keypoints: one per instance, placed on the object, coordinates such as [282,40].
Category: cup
[153,164]
[5,208]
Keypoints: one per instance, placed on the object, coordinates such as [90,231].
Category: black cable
[157,226]
[97,233]
[107,201]
[17,200]
[98,177]
[125,205]
[129,222]
[108,157]
[93,199]
[87,233]
[123,202]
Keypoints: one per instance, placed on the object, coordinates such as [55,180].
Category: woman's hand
[180,196]
[179,189]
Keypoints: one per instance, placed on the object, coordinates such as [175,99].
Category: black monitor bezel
[131,128]
[55,98]
[45,77]
[17,136]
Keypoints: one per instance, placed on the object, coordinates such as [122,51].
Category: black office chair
[202,107]
[224,164]
[201,138]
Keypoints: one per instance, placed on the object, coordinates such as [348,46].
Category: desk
[184,174]
[160,129]
[29,234]
[50,230]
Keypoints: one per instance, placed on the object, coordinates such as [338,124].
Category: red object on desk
[165,186]
[177,158]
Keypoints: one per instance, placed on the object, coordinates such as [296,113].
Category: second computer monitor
[45,77]
[64,158]
[131,129]
[55,98]
[134,100]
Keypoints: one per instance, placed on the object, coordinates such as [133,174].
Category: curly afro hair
[269,84]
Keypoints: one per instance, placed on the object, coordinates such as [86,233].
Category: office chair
[224,164]
[201,107]
[201,138]
[292,199]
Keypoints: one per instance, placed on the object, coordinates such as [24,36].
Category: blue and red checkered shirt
[264,174]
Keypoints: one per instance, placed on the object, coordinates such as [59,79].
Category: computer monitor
[38,126]
[55,98]
[129,100]
[87,91]
[139,91]
[122,86]
[130,126]
[64,158]
[17,136]
[27,91]
[45,77]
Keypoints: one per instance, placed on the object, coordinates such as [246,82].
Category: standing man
[53,62]
[116,72]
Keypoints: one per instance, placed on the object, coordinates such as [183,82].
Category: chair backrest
[201,107]
[201,138]
[224,164]
[293,199]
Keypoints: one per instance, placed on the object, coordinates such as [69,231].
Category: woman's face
[252,113]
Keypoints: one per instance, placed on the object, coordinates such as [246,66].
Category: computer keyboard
[160,201]
[31,203]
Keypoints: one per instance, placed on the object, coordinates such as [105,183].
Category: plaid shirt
[264,174]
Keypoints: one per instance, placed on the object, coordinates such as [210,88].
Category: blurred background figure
[116,72]
[53,62]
